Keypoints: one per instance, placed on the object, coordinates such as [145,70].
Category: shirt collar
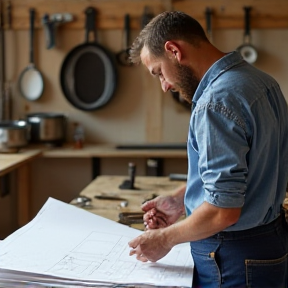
[225,63]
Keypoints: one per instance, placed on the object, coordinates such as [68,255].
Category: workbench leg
[96,167]
[23,195]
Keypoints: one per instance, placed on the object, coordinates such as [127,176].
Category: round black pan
[88,74]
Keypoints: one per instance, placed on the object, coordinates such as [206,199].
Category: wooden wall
[227,14]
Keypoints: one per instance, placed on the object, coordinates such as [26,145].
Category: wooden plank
[110,12]
[230,14]
[109,151]
[226,13]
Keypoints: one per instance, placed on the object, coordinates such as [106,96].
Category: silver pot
[48,128]
[14,135]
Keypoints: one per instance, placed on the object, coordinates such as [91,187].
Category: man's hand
[150,246]
[162,211]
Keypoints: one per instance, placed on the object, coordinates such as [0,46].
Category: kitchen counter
[146,188]
[19,162]
[12,161]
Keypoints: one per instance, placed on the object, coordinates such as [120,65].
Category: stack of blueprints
[66,246]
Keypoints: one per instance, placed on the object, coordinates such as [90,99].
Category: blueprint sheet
[65,244]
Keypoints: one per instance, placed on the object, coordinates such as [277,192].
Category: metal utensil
[123,55]
[81,201]
[31,83]
[107,197]
[248,51]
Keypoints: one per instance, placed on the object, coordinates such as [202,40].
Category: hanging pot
[88,74]
[248,51]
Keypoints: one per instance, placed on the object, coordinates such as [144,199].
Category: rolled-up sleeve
[223,149]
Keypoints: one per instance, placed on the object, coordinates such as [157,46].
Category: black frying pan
[88,74]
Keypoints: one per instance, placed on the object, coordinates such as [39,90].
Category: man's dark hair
[173,25]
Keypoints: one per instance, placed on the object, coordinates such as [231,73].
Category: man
[238,161]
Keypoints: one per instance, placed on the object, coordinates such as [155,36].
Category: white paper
[67,244]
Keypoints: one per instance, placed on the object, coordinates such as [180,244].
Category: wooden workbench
[12,161]
[109,185]
[146,188]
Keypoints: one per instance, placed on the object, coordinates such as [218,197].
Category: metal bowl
[14,135]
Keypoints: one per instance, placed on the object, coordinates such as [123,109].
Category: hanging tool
[5,84]
[50,23]
[123,55]
[31,81]
[247,50]
[2,64]
[208,14]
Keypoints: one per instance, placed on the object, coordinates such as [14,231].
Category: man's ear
[173,50]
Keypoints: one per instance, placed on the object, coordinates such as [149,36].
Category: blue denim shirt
[238,142]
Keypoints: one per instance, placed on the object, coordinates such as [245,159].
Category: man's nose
[165,86]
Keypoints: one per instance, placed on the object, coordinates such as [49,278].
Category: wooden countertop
[11,161]
[108,151]
[146,186]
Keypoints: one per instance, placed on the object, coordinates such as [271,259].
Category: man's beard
[186,82]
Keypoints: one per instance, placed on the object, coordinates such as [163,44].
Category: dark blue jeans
[254,258]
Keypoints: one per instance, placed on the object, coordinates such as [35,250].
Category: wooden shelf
[265,14]
[226,13]
[110,13]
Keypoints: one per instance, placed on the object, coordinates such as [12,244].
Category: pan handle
[32,20]
[90,23]
[208,16]
[247,22]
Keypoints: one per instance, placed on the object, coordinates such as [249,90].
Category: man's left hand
[150,246]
